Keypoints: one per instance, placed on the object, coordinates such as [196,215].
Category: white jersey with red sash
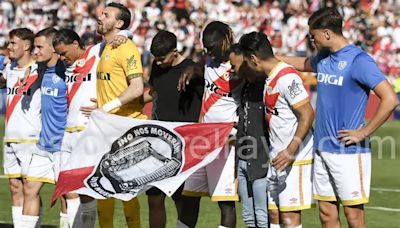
[81,82]
[22,119]
[284,92]
[221,94]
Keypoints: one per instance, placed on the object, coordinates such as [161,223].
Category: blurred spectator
[372,25]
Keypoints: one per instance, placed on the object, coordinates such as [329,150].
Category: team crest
[144,154]
[107,56]
[294,89]
[56,79]
[80,63]
[342,65]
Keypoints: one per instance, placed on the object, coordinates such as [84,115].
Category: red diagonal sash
[271,99]
[17,97]
[81,72]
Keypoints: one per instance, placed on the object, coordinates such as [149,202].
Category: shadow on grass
[5,225]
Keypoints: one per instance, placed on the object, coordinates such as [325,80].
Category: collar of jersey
[274,70]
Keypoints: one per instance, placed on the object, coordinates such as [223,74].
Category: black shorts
[155,191]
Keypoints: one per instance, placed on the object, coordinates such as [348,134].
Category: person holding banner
[119,91]
[170,105]
[81,82]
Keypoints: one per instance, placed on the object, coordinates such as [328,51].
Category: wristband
[108,107]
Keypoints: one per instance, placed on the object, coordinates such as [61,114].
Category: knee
[16,187]
[328,216]
[31,191]
[274,216]
[354,216]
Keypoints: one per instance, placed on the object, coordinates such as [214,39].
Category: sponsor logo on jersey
[18,91]
[103,76]
[330,79]
[49,91]
[74,78]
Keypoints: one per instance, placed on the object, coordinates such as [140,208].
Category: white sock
[28,221]
[63,220]
[180,224]
[88,215]
[299,226]
[16,215]
[72,211]
[275,225]
[221,226]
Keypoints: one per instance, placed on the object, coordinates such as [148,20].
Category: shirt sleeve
[130,59]
[365,71]
[292,89]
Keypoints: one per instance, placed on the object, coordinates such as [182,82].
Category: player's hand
[22,81]
[118,40]
[185,78]
[284,158]
[349,137]
[87,110]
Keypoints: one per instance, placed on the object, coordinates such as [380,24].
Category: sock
[16,215]
[63,220]
[88,215]
[132,212]
[72,210]
[28,221]
[180,224]
[221,226]
[299,226]
[275,225]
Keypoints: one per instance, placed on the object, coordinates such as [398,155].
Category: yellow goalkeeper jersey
[113,70]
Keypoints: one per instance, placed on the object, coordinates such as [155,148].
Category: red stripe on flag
[17,97]
[70,180]
[82,73]
[197,148]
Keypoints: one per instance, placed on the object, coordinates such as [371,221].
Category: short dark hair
[124,14]
[235,48]
[23,34]
[256,43]
[217,37]
[326,18]
[47,32]
[163,43]
[66,36]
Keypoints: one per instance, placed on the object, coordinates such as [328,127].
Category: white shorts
[217,179]
[295,193]
[45,166]
[342,177]
[17,157]
[41,167]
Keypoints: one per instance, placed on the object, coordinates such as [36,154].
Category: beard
[103,29]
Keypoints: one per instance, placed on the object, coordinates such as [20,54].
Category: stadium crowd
[373,25]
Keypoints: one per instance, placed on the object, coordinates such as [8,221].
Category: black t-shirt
[169,103]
